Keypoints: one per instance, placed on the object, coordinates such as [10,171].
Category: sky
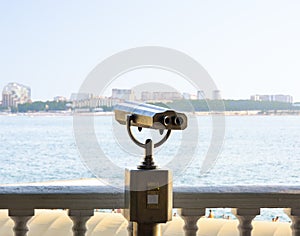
[247,47]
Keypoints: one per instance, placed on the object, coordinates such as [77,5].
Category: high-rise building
[163,96]
[200,95]
[146,96]
[123,94]
[186,96]
[60,99]
[216,95]
[273,98]
[14,94]
[282,98]
[80,96]
[261,98]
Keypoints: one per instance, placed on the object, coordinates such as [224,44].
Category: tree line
[228,105]
[41,106]
[180,105]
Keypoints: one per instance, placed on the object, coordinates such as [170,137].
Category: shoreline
[204,113]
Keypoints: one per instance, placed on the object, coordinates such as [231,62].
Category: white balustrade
[20,218]
[130,228]
[79,218]
[245,217]
[191,217]
[294,214]
[81,201]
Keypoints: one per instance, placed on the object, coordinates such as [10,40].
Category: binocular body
[150,116]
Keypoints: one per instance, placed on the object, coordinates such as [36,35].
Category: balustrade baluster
[20,218]
[79,218]
[245,217]
[130,228]
[191,217]
[294,214]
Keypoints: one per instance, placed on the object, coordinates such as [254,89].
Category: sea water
[256,150]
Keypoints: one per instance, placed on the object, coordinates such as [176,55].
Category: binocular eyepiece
[150,116]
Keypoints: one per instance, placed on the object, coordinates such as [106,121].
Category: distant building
[123,94]
[80,96]
[14,94]
[186,96]
[200,95]
[216,95]
[60,99]
[193,97]
[161,96]
[261,97]
[272,98]
[283,98]
[255,98]
[146,96]
[95,103]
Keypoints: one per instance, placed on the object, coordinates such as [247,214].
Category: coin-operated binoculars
[148,189]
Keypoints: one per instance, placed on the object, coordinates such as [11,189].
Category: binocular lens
[167,120]
[178,120]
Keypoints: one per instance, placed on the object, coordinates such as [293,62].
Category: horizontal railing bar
[85,189]
[105,197]
[238,200]
[291,189]
[40,189]
[62,201]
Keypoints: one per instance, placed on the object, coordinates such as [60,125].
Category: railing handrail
[106,197]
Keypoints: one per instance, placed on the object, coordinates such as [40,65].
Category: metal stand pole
[148,163]
[148,205]
[146,229]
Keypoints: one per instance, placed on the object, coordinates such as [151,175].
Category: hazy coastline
[226,113]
